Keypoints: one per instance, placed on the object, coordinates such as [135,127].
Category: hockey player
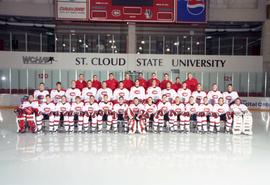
[242,119]
[62,109]
[112,83]
[135,113]
[46,111]
[95,82]
[203,113]
[57,93]
[72,92]
[41,93]
[137,91]
[90,109]
[120,92]
[163,107]
[88,91]
[128,83]
[153,78]
[105,113]
[142,81]
[190,114]
[120,115]
[165,81]
[214,94]
[177,85]
[104,91]
[176,114]
[154,92]
[230,96]
[76,113]
[220,112]
[191,82]
[184,94]
[169,92]
[27,113]
[149,114]
[199,94]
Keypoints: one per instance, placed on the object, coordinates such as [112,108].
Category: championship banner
[72,10]
[191,11]
[132,10]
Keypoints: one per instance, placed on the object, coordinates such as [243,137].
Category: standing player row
[136,91]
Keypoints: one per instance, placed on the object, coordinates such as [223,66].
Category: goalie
[242,119]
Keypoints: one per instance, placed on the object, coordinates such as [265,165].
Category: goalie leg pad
[247,123]
[21,123]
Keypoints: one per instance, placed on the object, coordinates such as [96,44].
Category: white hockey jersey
[136,109]
[40,95]
[27,104]
[150,109]
[165,107]
[57,95]
[62,107]
[137,92]
[105,106]
[46,108]
[199,95]
[102,92]
[184,95]
[178,108]
[206,108]
[230,97]
[191,108]
[238,109]
[170,93]
[90,108]
[213,96]
[154,92]
[77,107]
[71,94]
[121,93]
[120,108]
[221,109]
[87,92]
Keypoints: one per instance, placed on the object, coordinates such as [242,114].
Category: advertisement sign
[138,62]
[256,103]
[191,11]
[71,10]
[132,10]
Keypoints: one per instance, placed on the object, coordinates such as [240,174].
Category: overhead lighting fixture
[140,48]
[176,44]
[142,42]
[198,43]
[168,50]
[64,45]
[80,40]
[3,78]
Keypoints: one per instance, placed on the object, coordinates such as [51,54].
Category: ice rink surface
[150,159]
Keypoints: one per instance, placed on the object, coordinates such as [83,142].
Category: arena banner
[132,10]
[71,10]
[257,103]
[191,11]
[133,62]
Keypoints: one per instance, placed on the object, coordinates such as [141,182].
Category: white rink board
[258,103]
[126,62]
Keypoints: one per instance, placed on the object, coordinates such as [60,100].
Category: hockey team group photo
[140,106]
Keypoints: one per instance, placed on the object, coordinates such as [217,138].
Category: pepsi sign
[191,11]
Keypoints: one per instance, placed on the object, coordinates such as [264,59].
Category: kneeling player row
[133,117]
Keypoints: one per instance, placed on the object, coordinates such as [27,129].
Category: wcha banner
[130,62]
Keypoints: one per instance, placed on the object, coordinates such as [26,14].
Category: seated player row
[136,91]
[134,116]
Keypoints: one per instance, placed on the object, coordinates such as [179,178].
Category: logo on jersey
[154,92]
[104,93]
[184,94]
[90,109]
[192,109]
[121,94]
[78,108]
[220,110]
[89,94]
[63,109]
[47,109]
[228,97]
[137,92]
[72,94]
[215,97]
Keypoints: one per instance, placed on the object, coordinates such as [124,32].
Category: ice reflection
[148,151]
[266,119]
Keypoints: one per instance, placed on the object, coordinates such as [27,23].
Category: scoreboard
[133,10]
